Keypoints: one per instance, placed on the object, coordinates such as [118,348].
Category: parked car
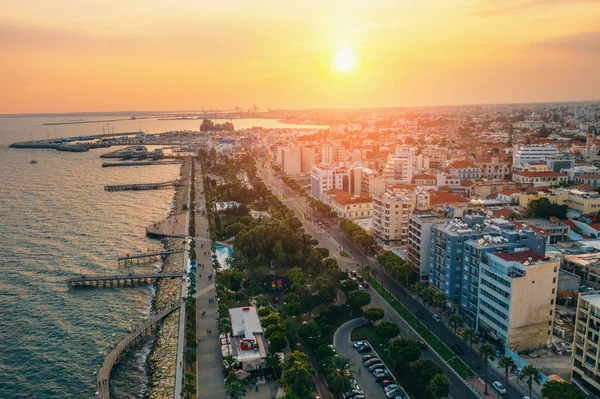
[456,349]
[498,352]
[422,344]
[386,382]
[366,285]
[371,361]
[365,349]
[392,394]
[358,344]
[390,388]
[354,384]
[499,387]
[353,393]
[384,375]
[367,357]
[376,366]
[436,317]
[419,314]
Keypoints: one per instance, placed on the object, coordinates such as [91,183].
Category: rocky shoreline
[162,360]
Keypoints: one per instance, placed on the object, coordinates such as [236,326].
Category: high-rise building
[532,153]
[456,247]
[324,178]
[401,165]
[308,159]
[332,153]
[517,293]
[419,243]
[291,161]
[365,181]
[586,373]
[391,211]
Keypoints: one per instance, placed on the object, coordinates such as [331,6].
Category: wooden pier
[143,186]
[113,164]
[118,280]
[103,379]
[129,259]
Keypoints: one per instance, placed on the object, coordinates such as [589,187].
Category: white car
[499,387]
[436,317]
[391,387]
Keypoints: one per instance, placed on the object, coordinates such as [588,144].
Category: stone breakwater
[162,361]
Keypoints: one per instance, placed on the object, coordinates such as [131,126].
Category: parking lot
[549,362]
[371,388]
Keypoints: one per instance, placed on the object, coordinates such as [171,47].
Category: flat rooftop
[521,257]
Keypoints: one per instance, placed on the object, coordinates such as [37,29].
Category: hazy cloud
[504,7]
[586,43]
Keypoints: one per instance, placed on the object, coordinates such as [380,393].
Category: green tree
[507,363]
[374,314]
[427,295]
[387,330]
[543,208]
[454,321]
[273,361]
[439,299]
[529,374]
[189,355]
[278,340]
[485,351]
[357,299]
[404,352]
[439,385]
[229,363]
[349,286]
[296,378]
[235,390]
[338,375]
[270,320]
[561,390]
[420,374]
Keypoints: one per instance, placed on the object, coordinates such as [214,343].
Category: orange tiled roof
[539,174]
[440,197]
[463,165]
[344,198]
[510,191]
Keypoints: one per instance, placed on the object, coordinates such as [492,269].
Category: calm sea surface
[56,220]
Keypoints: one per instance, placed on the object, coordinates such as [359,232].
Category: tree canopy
[561,390]
[543,208]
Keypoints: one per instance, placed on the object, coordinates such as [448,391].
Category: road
[333,236]
[330,239]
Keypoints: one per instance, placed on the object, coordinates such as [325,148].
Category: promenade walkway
[103,379]
[103,281]
[209,360]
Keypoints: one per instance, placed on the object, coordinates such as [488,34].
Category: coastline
[162,359]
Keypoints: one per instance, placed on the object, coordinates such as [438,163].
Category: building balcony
[583,319]
[592,338]
[581,330]
[595,328]
[578,354]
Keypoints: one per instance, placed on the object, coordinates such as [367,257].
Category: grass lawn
[345,254]
[380,345]
[429,337]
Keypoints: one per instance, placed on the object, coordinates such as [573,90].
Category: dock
[103,378]
[146,163]
[119,280]
[128,259]
[143,186]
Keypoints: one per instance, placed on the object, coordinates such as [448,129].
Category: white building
[291,161]
[246,343]
[324,178]
[532,153]
[401,165]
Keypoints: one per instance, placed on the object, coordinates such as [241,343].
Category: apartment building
[577,200]
[540,178]
[517,292]
[349,206]
[586,366]
[560,162]
[456,248]
[401,165]
[324,178]
[365,181]
[532,153]
[291,161]
[419,242]
[465,170]
[391,211]
[496,170]
[308,159]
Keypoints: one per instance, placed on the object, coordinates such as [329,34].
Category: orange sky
[102,55]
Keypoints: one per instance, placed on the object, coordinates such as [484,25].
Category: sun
[344,60]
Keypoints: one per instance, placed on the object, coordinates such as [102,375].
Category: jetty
[103,379]
[128,259]
[117,280]
[146,163]
[143,186]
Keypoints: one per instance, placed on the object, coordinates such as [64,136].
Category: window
[550,313]
[553,290]
[551,301]
[554,280]
[550,323]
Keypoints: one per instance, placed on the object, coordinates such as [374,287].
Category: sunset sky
[103,55]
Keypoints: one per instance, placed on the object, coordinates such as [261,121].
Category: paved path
[209,360]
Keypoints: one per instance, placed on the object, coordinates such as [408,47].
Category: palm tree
[470,335]
[485,351]
[229,363]
[235,389]
[454,321]
[507,363]
[338,374]
[530,374]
